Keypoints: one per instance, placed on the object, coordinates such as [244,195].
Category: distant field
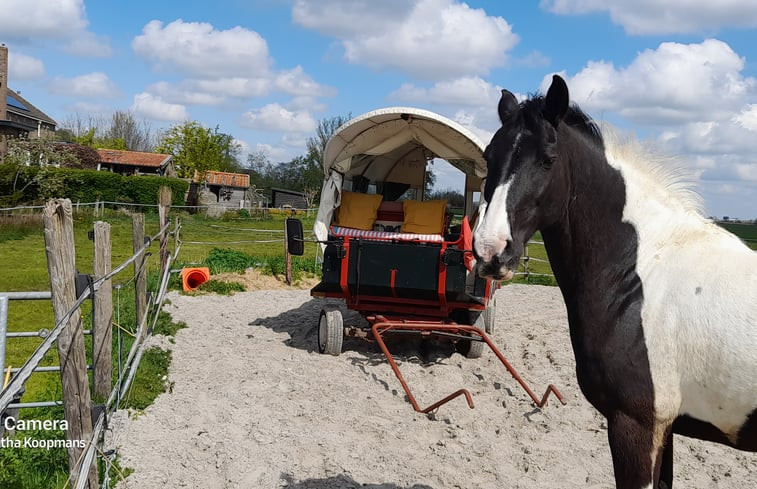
[747,232]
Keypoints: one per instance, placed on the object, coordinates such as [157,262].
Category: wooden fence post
[164,204]
[102,331]
[140,274]
[77,404]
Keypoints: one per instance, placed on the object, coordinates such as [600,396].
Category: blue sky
[681,74]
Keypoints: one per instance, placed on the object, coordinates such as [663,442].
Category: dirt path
[253,405]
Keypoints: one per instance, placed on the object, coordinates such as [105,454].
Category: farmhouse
[18,117]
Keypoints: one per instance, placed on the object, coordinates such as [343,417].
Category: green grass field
[25,266]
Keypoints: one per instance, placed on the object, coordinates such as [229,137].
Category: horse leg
[664,465]
[631,446]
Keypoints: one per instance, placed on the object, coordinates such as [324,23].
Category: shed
[288,198]
[229,190]
[136,162]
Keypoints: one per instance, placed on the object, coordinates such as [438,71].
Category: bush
[36,184]
[144,189]
[221,288]
[222,260]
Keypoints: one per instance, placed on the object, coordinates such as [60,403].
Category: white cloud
[91,109]
[184,93]
[432,39]
[675,83]
[155,108]
[274,117]
[466,91]
[747,118]
[24,68]
[28,21]
[297,82]
[273,153]
[199,50]
[664,17]
[222,66]
[95,85]
[534,59]
[89,44]
[350,19]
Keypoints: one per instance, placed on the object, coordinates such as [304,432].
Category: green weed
[220,287]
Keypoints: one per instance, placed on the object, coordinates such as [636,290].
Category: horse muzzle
[499,268]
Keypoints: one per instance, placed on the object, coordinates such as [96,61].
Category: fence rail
[59,232]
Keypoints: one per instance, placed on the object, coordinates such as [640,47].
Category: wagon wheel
[330,331]
[489,316]
[483,320]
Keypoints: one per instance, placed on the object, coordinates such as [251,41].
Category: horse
[661,302]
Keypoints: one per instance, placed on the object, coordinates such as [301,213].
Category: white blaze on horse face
[493,230]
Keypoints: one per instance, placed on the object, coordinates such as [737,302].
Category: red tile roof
[239,180]
[133,158]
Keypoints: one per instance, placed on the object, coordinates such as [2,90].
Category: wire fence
[80,472]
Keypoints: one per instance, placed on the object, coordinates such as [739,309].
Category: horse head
[520,191]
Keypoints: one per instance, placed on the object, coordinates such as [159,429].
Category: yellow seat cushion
[357,210]
[424,217]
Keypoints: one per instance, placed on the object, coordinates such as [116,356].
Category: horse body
[662,304]
[699,312]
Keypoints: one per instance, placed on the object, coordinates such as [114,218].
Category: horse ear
[556,102]
[507,104]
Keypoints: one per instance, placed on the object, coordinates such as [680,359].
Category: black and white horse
[662,303]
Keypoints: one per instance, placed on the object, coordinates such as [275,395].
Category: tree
[430,180]
[316,145]
[453,197]
[135,135]
[25,165]
[199,149]
[122,132]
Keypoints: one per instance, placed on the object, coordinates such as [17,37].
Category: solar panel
[15,103]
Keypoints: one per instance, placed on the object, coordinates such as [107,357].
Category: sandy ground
[254,405]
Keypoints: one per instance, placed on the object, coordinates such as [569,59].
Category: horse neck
[590,247]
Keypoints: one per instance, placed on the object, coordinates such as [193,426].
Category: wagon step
[383,325]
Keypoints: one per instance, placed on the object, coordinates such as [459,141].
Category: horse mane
[574,118]
[658,171]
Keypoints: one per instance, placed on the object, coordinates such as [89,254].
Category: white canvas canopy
[394,144]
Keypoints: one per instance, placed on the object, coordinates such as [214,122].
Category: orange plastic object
[191,278]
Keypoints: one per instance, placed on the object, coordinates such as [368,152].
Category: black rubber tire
[488,317]
[330,331]
[471,348]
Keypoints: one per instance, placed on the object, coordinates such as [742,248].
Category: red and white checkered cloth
[380,235]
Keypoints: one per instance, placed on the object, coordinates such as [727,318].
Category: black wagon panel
[413,268]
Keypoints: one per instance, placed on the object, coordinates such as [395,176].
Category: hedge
[86,186]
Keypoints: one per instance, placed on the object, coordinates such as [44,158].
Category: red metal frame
[382,325]
[431,317]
